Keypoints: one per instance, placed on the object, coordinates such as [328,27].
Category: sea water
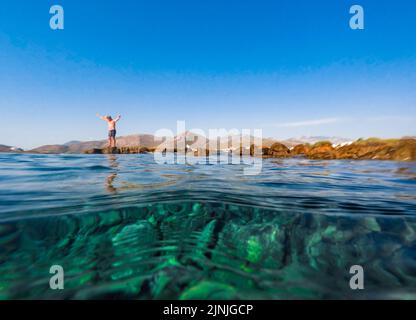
[124,227]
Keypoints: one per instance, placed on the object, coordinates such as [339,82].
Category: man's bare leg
[114,141]
[109,142]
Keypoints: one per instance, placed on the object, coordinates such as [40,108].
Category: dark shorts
[112,133]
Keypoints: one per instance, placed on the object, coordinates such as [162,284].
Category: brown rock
[321,150]
[265,151]
[405,150]
[279,150]
[128,150]
[363,149]
[201,152]
[300,149]
[377,149]
[94,151]
[111,150]
[121,150]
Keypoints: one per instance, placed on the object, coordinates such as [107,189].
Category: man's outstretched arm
[117,118]
[101,117]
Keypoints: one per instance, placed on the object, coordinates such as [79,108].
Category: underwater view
[124,227]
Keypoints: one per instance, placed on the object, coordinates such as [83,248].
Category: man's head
[109,118]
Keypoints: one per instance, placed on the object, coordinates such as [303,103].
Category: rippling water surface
[125,227]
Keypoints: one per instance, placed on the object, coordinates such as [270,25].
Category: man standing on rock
[111,129]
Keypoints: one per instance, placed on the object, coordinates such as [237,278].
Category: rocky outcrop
[300,149]
[265,151]
[377,149]
[121,150]
[278,150]
[94,151]
[321,150]
[370,149]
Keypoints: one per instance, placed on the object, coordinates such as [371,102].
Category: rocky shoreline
[369,149]
[121,150]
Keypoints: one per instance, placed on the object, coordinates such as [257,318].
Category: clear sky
[289,67]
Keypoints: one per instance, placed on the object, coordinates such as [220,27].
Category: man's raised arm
[117,118]
[101,117]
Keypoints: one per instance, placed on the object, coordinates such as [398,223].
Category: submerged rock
[9,239]
[197,250]
[207,290]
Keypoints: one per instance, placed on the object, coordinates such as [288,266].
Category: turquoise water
[124,227]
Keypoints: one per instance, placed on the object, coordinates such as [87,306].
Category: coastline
[403,149]
[370,149]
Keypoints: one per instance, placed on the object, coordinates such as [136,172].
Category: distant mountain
[312,140]
[143,140]
[55,148]
[245,140]
[72,142]
[224,143]
[4,148]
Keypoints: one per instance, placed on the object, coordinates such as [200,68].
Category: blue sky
[289,67]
